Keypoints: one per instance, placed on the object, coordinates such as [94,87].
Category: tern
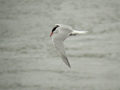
[59,33]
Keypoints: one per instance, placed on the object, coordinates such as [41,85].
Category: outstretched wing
[75,32]
[60,49]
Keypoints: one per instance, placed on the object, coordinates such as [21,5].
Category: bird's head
[64,28]
[56,26]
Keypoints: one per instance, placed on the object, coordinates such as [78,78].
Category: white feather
[78,32]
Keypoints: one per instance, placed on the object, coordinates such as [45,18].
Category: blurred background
[28,59]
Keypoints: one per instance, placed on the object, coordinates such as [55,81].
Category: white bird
[59,33]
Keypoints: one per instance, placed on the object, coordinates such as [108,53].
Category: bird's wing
[60,49]
[75,32]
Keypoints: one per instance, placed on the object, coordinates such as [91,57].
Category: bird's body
[59,34]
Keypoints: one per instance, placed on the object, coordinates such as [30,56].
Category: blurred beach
[28,59]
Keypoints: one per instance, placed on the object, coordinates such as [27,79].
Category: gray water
[28,60]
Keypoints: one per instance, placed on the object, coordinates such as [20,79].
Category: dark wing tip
[66,61]
[69,66]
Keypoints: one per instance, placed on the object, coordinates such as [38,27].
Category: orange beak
[51,34]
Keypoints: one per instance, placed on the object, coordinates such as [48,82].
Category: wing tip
[69,65]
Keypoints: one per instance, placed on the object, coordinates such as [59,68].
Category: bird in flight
[59,33]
